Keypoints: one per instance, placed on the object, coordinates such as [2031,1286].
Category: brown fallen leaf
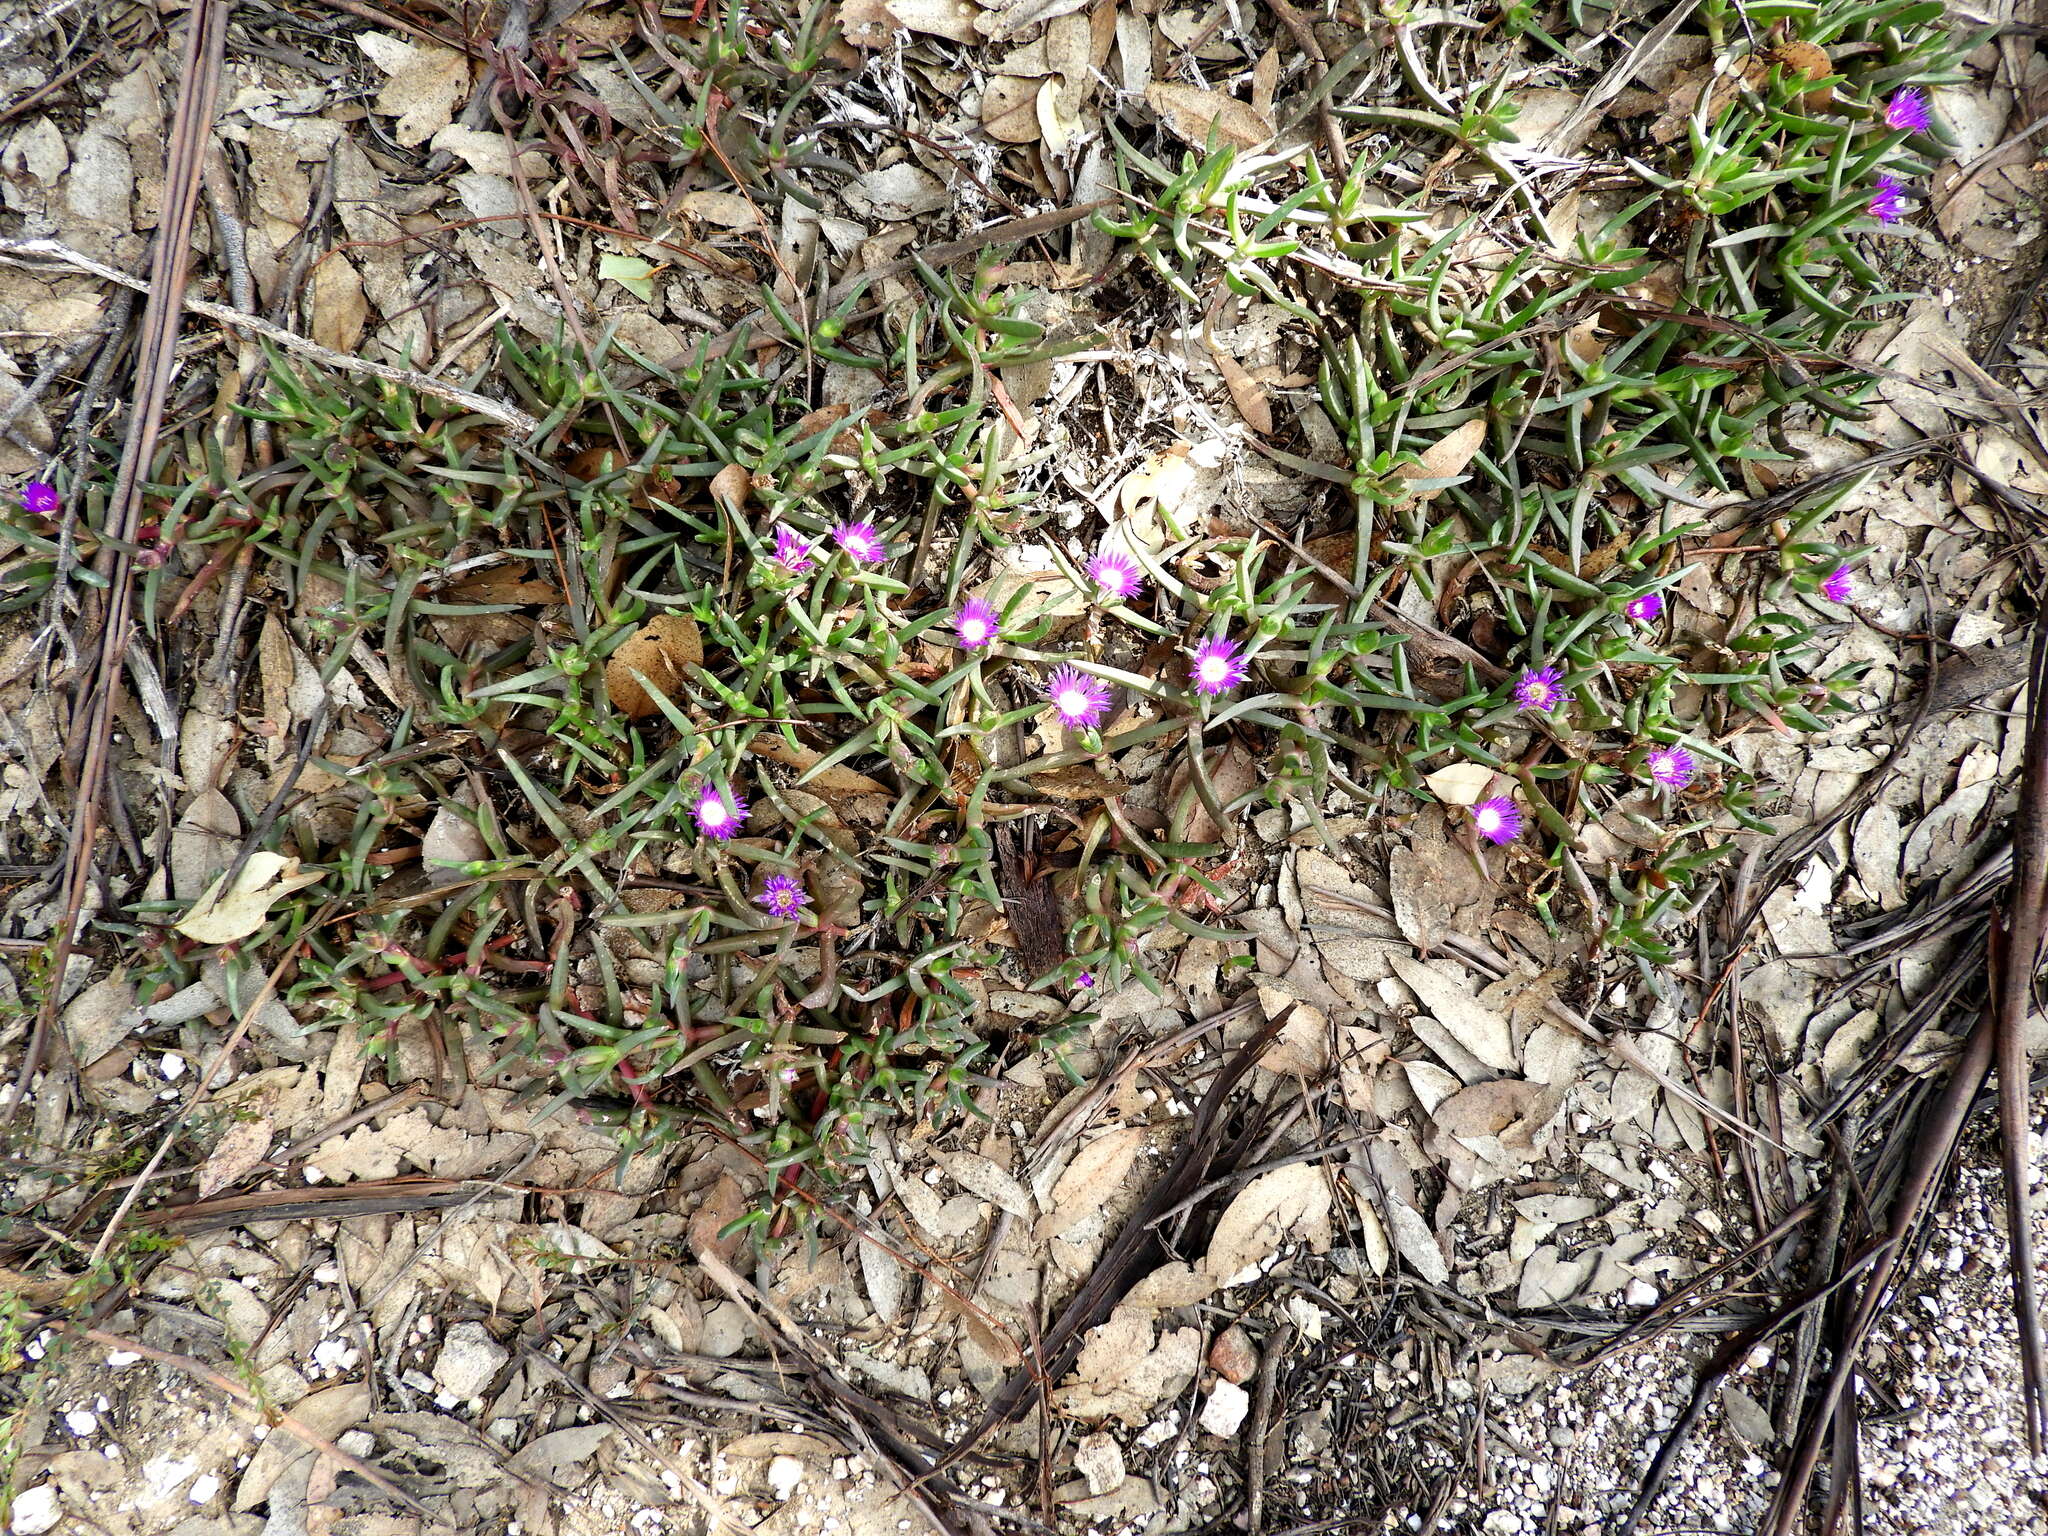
[1191,114]
[1231,773]
[1247,394]
[1096,1173]
[239,1149]
[660,650]
[1449,455]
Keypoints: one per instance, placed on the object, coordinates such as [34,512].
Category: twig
[1305,37]
[2015,946]
[507,415]
[199,90]
[2013,996]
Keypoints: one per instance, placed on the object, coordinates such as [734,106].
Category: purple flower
[1498,820]
[1079,698]
[1085,979]
[782,895]
[1538,690]
[792,553]
[1887,202]
[1646,609]
[1672,767]
[860,541]
[1217,667]
[39,496]
[1908,110]
[976,624]
[719,815]
[1840,585]
[1117,575]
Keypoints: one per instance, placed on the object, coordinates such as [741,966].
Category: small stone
[1233,1357]
[35,1511]
[469,1361]
[1225,1410]
[785,1473]
[1640,1293]
[1101,1460]
[725,1329]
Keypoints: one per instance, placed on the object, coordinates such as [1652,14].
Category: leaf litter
[1460,1083]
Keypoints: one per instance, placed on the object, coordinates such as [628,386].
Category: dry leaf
[425,85]
[1247,394]
[98,1019]
[203,842]
[1415,1243]
[1290,1202]
[339,312]
[451,840]
[1190,114]
[884,1276]
[1451,1003]
[240,1149]
[1171,1285]
[222,917]
[731,486]
[1448,456]
[658,651]
[976,1173]
[725,1204]
[1096,1173]
[950,19]
[1009,109]
[1231,773]
[1461,783]
[833,780]
[1122,1371]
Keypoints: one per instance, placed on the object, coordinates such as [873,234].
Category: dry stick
[1304,35]
[2013,997]
[205,44]
[2015,947]
[507,415]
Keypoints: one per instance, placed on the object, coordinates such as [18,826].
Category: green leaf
[630,273]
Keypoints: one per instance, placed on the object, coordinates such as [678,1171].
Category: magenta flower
[1907,110]
[860,541]
[1085,979]
[792,552]
[1498,820]
[1079,698]
[1538,690]
[39,496]
[1673,767]
[719,815]
[976,623]
[1887,204]
[782,895]
[1646,609]
[1217,667]
[1840,585]
[1117,575]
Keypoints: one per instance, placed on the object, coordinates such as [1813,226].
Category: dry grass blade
[205,46]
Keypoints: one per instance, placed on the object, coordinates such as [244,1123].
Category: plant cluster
[767,897]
